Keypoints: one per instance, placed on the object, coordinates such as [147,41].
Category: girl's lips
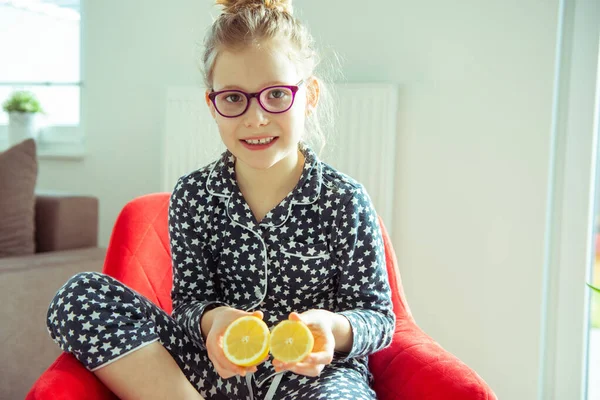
[259,137]
[258,146]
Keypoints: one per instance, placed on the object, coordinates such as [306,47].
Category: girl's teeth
[260,141]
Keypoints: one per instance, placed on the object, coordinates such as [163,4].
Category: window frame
[569,245]
[58,141]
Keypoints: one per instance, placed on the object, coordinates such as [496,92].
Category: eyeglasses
[272,99]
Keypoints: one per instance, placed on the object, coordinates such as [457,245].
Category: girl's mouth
[259,144]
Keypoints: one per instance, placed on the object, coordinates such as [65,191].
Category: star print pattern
[334,383]
[81,314]
[321,247]
[99,320]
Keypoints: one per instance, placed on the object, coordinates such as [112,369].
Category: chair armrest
[64,222]
[67,379]
[415,367]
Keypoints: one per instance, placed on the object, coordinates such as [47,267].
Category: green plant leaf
[22,101]
[594,288]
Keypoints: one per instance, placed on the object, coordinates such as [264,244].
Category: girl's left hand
[320,324]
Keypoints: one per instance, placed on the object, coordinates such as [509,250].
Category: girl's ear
[210,104]
[312,97]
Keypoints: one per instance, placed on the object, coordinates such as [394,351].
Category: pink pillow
[18,175]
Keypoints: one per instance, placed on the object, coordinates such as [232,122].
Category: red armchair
[414,367]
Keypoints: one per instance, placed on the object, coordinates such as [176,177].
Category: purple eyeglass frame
[294,88]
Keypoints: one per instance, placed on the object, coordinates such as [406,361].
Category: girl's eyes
[277,94]
[233,98]
[273,94]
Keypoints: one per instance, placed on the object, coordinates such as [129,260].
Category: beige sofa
[66,243]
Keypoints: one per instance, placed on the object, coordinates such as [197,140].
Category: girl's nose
[255,116]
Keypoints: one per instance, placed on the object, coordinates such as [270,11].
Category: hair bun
[234,6]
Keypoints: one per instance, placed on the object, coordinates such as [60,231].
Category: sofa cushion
[27,286]
[18,175]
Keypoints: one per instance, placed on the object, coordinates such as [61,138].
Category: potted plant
[22,107]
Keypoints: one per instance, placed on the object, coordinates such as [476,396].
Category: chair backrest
[139,254]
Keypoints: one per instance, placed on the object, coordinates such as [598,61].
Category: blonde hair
[254,22]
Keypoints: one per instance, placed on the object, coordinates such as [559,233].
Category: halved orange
[291,341]
[246,341]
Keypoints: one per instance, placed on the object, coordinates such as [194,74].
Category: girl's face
[252,70]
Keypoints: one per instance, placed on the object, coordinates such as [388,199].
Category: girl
[267,230]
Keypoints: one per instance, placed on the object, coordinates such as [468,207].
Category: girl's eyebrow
[235,87]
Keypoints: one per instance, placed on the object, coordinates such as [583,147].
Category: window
[40,47]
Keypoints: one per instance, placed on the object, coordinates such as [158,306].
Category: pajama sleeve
[364,295]
[194,288]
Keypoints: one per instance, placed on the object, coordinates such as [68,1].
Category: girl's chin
[262,164]
[261,160]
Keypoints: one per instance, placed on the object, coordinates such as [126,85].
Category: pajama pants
[100,320]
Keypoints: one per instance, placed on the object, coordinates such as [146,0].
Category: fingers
[294,316]
[225,374]
[258,314]
[224,367]
[250,370]
[301,368]
[228,368]
[225,363]
[321,357]
[221,370]
[214,344]
[311,365]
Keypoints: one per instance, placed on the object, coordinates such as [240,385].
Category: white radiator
[363,144]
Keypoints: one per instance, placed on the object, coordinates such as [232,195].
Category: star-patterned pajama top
[320,248]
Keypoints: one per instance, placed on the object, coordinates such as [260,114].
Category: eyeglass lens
[276,99]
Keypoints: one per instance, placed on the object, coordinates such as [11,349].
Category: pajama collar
[222,182]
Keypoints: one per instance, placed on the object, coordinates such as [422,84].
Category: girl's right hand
[218,320]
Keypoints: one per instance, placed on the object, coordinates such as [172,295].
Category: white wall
[473,139]
[131,53]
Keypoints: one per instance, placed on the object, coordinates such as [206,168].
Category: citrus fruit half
[291,341]
[246,341]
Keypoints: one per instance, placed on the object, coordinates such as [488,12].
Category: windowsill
[60,151]
[54,143]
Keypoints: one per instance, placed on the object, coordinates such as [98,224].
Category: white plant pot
[21,126]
